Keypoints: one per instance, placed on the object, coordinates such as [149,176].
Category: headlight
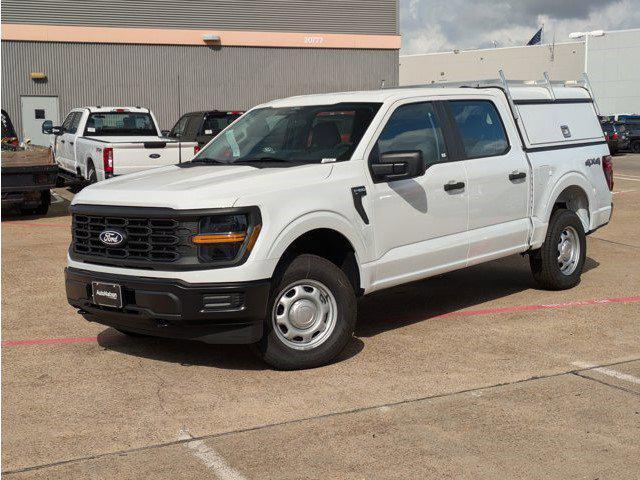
[227,238]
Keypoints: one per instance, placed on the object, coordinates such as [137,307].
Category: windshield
[120,123]
[307,134]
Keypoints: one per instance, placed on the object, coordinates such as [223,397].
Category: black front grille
[147,240]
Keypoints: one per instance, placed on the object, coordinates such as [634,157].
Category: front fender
[317,220]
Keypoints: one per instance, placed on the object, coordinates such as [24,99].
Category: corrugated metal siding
[176,79]
[330,16]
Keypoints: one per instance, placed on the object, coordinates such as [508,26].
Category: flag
[536,39]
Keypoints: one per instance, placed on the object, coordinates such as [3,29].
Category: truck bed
[26,158]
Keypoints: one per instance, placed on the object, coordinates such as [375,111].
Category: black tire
[45,203]
[635,147]
[42,208]
[316,269]
[544,261]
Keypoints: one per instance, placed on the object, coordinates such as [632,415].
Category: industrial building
[175,56]
[610,58]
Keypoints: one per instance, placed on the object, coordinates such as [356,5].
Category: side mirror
[57,130]
[165,133]
[47,127]
[393,166]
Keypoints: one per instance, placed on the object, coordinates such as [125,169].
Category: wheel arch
[324,234]
[573,192]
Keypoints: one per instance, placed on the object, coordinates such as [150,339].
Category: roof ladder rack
[547,83]
[584,80]
[507,92]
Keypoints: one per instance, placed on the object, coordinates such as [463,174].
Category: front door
[420,224]
[35,110]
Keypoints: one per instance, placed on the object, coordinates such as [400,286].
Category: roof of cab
[103,109]
[394,94]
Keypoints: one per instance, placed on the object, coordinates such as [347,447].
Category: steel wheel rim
[568,250]
[304,314]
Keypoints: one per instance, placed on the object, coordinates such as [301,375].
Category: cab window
[480,127]
[178,129]
[413,127]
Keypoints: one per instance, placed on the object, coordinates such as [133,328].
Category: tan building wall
[564,61]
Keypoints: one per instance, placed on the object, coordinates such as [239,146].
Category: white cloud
[442,25]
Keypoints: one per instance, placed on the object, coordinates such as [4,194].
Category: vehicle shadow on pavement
[450,292]
[190,353]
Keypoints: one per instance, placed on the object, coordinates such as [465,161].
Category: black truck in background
[201,126]
[28,173]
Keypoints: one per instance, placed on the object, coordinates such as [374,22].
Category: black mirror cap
[47,127]
[400,165]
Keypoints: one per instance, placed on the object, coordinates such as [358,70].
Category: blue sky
[443,25]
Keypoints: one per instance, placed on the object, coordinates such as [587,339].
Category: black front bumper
[211,313]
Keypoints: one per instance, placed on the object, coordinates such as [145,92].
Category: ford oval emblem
[154,155]
[112,238]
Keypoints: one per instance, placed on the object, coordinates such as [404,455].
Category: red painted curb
[47,341]
[34,224]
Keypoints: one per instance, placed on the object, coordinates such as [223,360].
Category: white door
[35,110]
[420,223]
[62,144]
[498,182]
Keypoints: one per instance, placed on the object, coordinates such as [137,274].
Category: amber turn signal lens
[232,237]
[254,237]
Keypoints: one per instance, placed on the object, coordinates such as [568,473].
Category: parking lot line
[608,371]
[461,313]
[209,457]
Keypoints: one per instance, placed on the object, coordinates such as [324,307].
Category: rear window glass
[480,127]
[120,123]
[215,123]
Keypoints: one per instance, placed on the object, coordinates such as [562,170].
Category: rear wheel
[312,315]
[635,146]
[558,264]
[42,208]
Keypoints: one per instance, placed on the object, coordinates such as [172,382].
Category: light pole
[586,35]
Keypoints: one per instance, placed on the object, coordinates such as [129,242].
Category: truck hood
[202,186]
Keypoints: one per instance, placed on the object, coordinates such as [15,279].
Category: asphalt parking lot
[473,374]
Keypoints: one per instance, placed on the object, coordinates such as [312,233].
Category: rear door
[498,177]
[419,223]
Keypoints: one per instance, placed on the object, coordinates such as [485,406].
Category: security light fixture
[210,37]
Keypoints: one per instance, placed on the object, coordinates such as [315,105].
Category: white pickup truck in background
[95,143]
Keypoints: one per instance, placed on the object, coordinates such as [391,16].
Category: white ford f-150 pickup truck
[273,230]
[95,143]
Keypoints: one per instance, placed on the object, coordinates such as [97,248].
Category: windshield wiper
[207,160]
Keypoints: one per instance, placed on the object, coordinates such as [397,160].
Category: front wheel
[558,264]
[312,315]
